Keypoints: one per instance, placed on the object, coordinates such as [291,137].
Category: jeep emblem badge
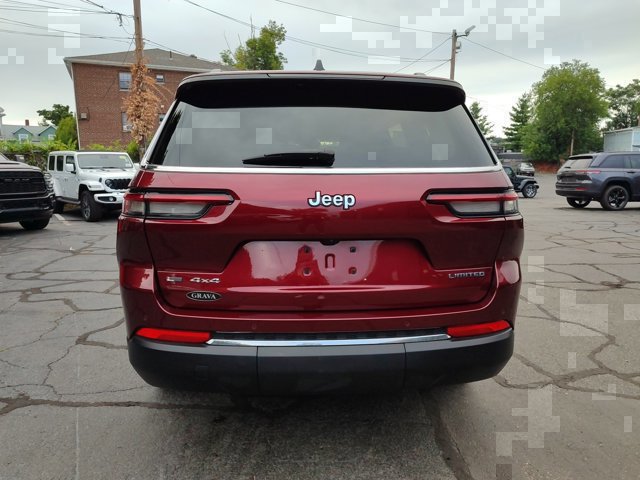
[204,296]
[345,201]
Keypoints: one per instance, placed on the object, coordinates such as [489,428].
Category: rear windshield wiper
[321,158]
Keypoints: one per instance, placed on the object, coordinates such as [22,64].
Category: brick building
[101,84]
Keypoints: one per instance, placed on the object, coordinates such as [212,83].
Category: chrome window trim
[328,343]
[320,171]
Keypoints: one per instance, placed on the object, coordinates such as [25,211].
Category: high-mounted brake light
[169,205]
[477,204]
[177,336]
[478,329]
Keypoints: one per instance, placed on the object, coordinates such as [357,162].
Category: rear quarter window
[384,134]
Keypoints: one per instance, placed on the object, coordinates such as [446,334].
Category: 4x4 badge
[204,296]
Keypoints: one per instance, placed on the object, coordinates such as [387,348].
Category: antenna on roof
[319,67]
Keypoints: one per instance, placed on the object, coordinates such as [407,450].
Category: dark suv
[309,232]
[26,195]
[611,178]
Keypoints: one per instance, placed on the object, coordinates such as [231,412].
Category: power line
[426,54]
[331,48]
[56,30]
[436,67]
[374,22]
[504,54]
[34,34]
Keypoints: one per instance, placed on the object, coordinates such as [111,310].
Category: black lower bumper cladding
[299,370]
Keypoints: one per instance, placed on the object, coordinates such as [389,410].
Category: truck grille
[21,182]
[118,183]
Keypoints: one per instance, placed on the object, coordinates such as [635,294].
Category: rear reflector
[478,329]
[177,336]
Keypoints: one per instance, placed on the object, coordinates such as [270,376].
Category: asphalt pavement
[566,406]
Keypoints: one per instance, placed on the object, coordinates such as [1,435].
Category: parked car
[316,232]
[26,195]
[521,183]
[94,180]
[613,179]
[526,168]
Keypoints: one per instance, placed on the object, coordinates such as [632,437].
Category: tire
[34,224]
[58,206]
[615,197]
[91,211]
[529,190]
[578,202]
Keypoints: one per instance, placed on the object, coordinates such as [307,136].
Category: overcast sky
[536,33]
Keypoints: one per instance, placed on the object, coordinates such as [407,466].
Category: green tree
[259,53]
[568,104]
[624,105]
[55,115]
[67,131]
[481,120]
[520,116]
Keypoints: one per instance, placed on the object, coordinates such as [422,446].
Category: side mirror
[69,167]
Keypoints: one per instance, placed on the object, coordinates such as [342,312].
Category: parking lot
[566,406]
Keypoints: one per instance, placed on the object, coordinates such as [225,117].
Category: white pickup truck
[96,181]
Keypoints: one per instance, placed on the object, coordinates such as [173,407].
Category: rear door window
[614,161]
[59,163]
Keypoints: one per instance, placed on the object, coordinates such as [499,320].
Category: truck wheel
[91,211]
[34,224]
[529,190]
[58,206]
[578,202]
[615,198]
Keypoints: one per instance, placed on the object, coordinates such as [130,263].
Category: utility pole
[455,47]
[137,20]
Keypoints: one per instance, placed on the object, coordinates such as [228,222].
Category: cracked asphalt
[566,406]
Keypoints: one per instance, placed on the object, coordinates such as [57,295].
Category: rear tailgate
[269,250]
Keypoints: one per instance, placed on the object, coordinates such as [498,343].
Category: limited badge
[204,296]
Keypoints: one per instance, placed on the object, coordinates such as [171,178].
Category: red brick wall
[98,94]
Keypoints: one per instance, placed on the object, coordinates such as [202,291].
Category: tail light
[477,204]
[476,329]
[174,206]
[175,336]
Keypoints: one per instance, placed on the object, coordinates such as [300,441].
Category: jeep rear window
[384,129]
[579,163]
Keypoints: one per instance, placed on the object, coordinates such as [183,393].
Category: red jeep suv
[311,232]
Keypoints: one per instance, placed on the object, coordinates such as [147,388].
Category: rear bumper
[277,370]
[576,191]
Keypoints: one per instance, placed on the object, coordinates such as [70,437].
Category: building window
[51,137]
[126,126]
[125,80]
[159,77]
[23,137]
